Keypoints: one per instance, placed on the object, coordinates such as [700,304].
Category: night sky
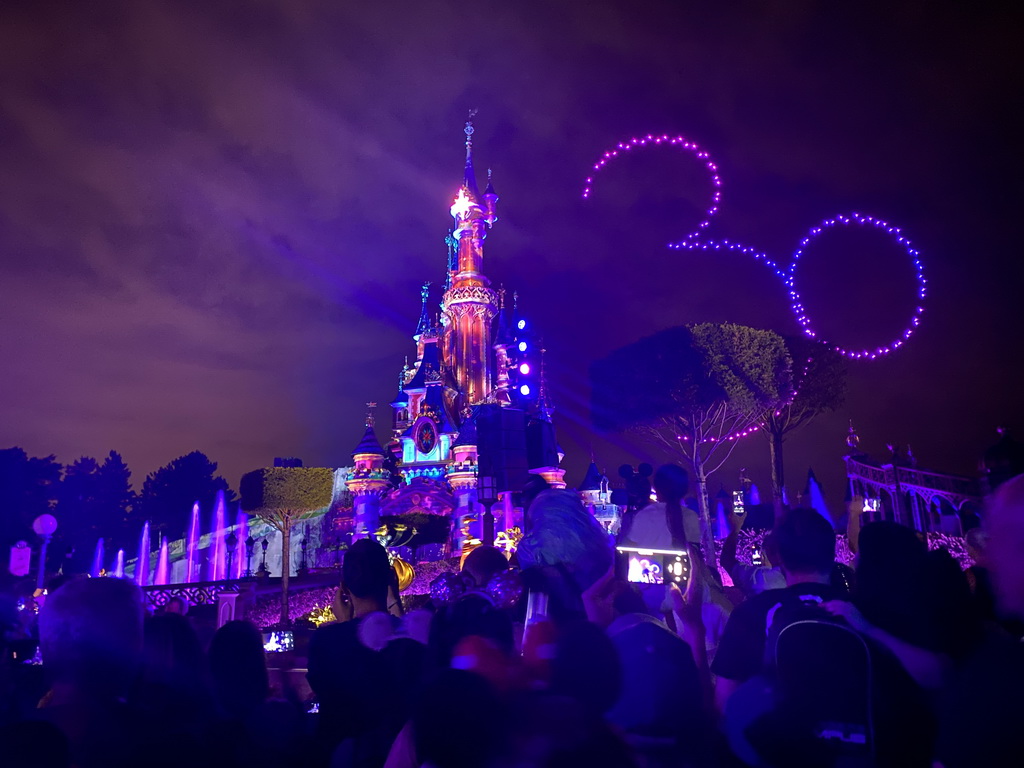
[215,216]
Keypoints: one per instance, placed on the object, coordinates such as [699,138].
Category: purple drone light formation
[787,276]
[857,219]
[674,141]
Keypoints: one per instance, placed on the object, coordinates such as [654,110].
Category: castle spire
[453,258]
[424,322]
[490,201]
[469,305]
[469,180]
[544,406]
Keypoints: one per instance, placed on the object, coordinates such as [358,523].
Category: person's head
[366,574]
[889,587]
[586,667]
[563,534]
[627,599]
[177,605]
[888,552]
[671,483]
[976,540]
[806,545]
[172,654]
[90,635]
[638,484]
[238,666]
[469,615]
[440,715]
[483,563]
[1004,525]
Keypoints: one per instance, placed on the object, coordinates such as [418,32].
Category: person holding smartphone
[751,579]
[344,673]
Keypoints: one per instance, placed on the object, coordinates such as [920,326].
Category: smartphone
[738,508]
[756,558]
[278,641]
[654,566]
[536,615]
[536,607]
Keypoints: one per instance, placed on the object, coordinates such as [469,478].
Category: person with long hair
[666,523]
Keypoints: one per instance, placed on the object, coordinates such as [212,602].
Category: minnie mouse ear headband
[503,590]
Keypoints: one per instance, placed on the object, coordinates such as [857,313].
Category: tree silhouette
[168,494]
[28,488]
[94,501]
[819,374]
[693,390]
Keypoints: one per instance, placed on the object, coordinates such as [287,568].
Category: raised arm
[928,668]
[728,556]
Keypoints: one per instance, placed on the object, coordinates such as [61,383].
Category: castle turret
[462,477]
[368,480]
[490,201]
[423,325]
[469,304]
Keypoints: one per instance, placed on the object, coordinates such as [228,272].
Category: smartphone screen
[654,566]
[278,641]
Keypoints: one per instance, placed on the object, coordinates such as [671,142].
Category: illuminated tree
[281,496]
[695,391]
[820,383]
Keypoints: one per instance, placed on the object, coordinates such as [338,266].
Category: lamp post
[486,495]
[263,572]
[45,525]
[303,565]
[250,545]
[230,544]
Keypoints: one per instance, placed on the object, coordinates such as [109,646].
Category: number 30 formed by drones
[692,241]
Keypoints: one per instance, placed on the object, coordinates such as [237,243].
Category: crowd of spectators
[906,661]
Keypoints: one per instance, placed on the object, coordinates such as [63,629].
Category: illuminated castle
[469,419]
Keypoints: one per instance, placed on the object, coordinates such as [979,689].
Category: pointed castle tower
[467,397]
[369,479]
[470,305]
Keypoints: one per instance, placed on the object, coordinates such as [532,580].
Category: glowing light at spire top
[461,205]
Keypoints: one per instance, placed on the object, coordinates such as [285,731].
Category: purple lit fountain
[218,554]
[97,560]
[242,531]
[119,564]
[163,565]
[192,546]
[142,564]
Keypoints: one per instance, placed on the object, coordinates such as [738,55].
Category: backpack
[822,675]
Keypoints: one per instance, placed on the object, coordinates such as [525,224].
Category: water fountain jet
[142,564]
[192,546]
[163,565]
[97,560]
